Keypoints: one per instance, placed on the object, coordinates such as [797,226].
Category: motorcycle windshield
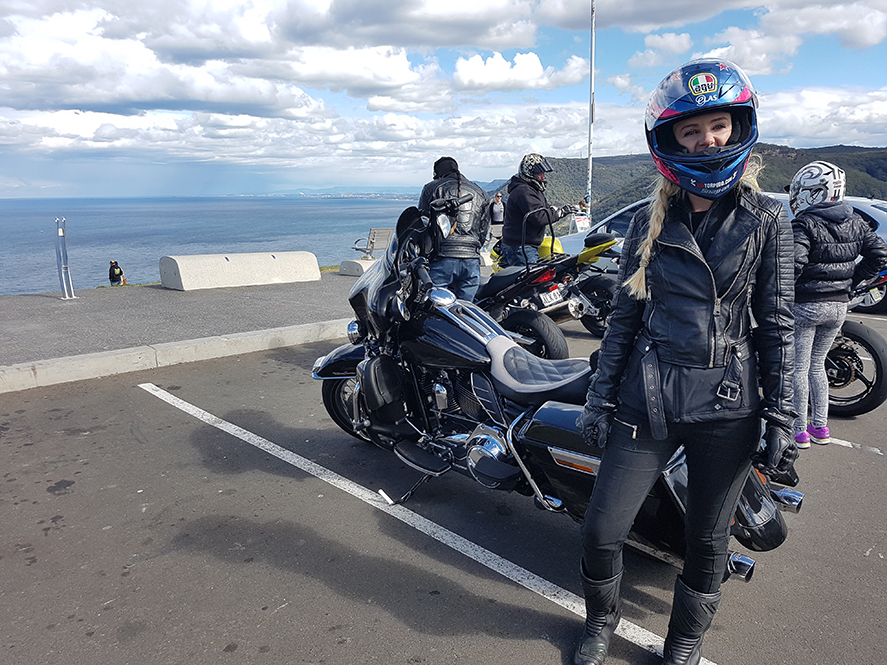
[372,295]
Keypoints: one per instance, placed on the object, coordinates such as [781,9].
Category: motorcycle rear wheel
[547,340]
[855,366]
[873,303]
[337,399]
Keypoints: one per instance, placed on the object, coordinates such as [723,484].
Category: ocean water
[138,232]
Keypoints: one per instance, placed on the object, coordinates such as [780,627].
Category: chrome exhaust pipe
[740,566]
[787,499]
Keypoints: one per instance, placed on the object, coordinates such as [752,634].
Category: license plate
[550,298]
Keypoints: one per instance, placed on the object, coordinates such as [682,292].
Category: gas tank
[436,340]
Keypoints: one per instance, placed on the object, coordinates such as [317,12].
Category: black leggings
[718,460]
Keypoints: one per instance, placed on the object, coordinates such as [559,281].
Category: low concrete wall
[214,271]
[108,363]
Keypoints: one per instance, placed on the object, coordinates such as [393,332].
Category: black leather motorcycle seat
[530,381]
[498,281]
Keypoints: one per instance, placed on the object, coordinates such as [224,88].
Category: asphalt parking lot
[137,532]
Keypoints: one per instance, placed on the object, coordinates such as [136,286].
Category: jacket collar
[737,225]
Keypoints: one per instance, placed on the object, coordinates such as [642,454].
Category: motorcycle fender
[339,363]
[759,524]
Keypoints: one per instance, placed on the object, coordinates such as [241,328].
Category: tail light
[546,275]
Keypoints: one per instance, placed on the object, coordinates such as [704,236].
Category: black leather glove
[594,423]
[563,211]
[777,454]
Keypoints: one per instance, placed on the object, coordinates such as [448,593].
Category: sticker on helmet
[702,84]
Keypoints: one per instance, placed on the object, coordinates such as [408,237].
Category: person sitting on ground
[115,274]
[457,264]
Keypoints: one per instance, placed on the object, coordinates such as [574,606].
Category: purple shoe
[819,435]
[802,439]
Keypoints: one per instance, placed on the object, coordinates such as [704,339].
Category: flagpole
[590,114]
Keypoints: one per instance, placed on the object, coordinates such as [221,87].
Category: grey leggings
[816,326]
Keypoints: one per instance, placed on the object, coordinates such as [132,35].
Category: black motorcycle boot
[603,609]
[691,615]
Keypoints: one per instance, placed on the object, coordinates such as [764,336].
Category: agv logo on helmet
[703,84]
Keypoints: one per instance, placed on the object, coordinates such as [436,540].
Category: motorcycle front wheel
[599,290]
[538,334]
[338,395]
[855,367]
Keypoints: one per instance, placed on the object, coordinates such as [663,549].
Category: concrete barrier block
[356,267]
[214,271]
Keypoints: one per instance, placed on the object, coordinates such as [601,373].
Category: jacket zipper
[716,311]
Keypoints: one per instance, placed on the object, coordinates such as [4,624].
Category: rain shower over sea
[138,232]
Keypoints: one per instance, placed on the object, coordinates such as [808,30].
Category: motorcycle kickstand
[406,496]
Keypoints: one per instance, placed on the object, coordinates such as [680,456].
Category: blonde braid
[637,283]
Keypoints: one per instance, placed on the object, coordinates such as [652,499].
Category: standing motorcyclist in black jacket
[829,238]
[457,263]
[679,362]
[527,213]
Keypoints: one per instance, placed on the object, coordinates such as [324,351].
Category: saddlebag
[558,450]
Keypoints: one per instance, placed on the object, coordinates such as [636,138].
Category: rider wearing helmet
[527,213]
[829,238]
[679,363]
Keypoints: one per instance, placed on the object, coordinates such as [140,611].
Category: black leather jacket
[828,239]
[688,353]
[524,198]
[472,221]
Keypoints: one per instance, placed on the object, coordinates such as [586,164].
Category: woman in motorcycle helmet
[679,362]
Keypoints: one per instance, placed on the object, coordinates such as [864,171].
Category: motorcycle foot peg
[421,460]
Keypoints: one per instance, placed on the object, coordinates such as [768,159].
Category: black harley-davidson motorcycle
[440,384]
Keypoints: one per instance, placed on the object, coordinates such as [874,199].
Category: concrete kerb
[50,372]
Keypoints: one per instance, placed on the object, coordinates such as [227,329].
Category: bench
[376,239]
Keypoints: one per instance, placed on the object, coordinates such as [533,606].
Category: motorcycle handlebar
[441,205]
[422,274]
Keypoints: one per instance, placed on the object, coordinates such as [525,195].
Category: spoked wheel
[599,290]
[855,366]
[541,336]
[338,395]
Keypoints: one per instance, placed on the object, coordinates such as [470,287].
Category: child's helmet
[818,182]
[703,86]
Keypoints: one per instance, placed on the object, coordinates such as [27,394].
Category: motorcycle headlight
[355,332]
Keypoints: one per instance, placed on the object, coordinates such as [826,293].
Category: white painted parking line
[569,601]
[850,444]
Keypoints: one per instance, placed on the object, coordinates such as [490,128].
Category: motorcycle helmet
[818,182]
[533,168]
[699,87]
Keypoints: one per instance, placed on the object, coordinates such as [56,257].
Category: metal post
[590,112]
[61,256]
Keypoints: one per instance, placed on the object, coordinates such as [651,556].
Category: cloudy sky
[212,97]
